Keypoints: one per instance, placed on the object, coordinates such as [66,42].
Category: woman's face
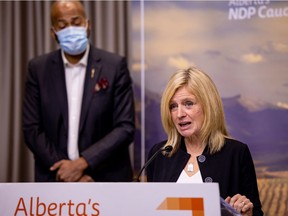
[186,112]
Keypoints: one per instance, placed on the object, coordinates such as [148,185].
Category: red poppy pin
[102,84]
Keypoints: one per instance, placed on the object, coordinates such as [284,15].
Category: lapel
[58,79]
[179,161]
[93,72]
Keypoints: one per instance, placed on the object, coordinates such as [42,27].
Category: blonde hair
[213,130]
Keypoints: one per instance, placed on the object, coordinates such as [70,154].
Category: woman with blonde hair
[193,117]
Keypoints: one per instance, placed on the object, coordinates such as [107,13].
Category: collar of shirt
[83,61]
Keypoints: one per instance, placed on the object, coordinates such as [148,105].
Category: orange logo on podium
[196,205]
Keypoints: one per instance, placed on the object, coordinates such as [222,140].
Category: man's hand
[68,170]
[86,178]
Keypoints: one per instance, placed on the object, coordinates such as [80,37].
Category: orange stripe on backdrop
[196,205]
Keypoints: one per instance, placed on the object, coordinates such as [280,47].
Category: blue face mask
[73,39]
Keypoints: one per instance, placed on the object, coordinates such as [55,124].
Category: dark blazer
[232,167]
[106,120]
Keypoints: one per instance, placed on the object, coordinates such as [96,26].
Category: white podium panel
[109,199]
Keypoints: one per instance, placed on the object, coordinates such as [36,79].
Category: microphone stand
[167,149]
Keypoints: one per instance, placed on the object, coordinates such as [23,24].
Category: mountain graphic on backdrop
[261,126]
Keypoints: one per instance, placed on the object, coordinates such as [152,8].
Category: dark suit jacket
[232,167]
[106,122]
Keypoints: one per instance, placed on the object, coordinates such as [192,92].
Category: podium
[109,199]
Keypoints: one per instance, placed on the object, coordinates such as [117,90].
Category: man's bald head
[63,8]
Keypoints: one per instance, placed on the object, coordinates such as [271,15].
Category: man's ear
[88,28]
[53,34]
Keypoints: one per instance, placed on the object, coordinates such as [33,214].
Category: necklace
[190,167]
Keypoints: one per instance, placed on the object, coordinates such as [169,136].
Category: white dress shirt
[75,77]
[184,178]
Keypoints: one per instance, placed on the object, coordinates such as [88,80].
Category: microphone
[167,149]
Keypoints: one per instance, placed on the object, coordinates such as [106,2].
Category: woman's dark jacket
[232,167]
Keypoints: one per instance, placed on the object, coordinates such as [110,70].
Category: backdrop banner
[243,46]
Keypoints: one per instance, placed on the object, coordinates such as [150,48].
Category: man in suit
[78,110]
